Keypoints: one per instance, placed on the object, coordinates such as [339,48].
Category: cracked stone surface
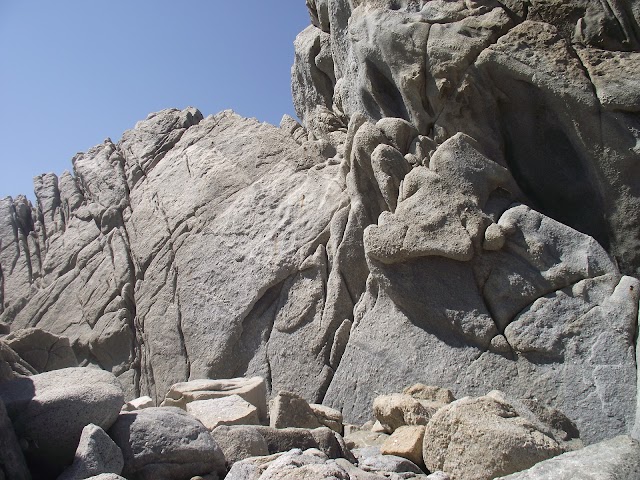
[458,207]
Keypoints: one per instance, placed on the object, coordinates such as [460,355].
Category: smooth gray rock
[308,465]
[165,443]
[618,458]
[96,454]
[106,476]
[50,410]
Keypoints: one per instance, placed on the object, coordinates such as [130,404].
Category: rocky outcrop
[459,206]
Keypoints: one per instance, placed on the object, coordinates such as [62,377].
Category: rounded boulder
[50,410]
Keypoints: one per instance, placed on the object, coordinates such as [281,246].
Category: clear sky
[73,72]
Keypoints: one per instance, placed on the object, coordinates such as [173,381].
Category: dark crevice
[384,98]
[545,164]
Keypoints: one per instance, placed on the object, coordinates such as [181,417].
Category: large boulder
[96,454]
[618,458]
[50,410]
[485,437]
[165,443]
[329,417]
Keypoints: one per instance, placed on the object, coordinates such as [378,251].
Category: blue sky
[73,72]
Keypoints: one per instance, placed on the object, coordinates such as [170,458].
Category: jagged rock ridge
[460,208]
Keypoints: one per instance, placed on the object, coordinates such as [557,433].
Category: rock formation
[459,206]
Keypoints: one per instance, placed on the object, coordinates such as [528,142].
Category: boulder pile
[51,429]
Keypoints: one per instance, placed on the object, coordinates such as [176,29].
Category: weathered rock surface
[618,458]
[50,410]
[11,364]
[329,417]
[458,207]
[165,442]
[42,350]
[96,454]
[486,437]
[324,439]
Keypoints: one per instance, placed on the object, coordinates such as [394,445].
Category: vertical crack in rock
[176,302]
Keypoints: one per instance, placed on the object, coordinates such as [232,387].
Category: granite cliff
[458,206]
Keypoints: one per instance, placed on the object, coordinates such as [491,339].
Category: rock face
[458,207]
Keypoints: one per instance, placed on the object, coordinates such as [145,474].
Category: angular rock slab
[165,443]
[96,454]
[405,442]
[615,459]
[252,390]
[50,410]
[231,410]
